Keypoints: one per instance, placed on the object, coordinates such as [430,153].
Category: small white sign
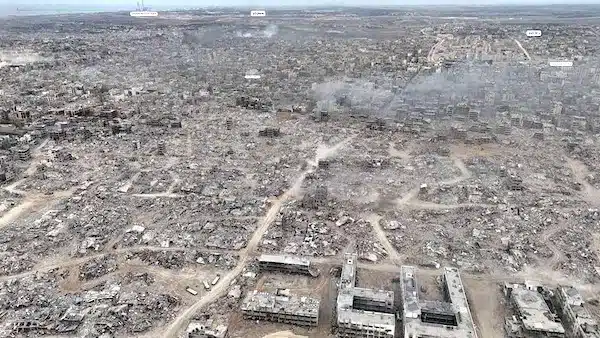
[252,76]
[258,13]
[533,33]
[561,63]
[143,14]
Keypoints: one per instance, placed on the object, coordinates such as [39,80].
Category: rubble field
[146,164]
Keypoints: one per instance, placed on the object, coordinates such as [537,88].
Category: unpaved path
[522,49]
[545,238]
[408,200]
[54,263]
[464,173]
[159,194]
[33,201]
[433,49]
[381,236]
[580,170]
[421,205]
[14,213]
[220,289]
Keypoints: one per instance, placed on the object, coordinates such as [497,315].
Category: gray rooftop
[376,321]
[410,293]
[284,259]
[572,296]
[209,327]
[347,316]
[458,298]
[535,314]
[375,295]
[268,302]
[348,278]
[575,302]
[414,327]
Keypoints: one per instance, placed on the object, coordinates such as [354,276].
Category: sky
[270,3]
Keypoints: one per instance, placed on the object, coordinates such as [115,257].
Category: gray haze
[381,97]
[275,3]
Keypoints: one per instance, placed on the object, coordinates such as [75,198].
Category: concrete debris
[155,173]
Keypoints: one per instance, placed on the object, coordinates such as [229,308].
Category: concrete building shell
[296,310]
[449,319]
[355,307]
[575,317]
[287,264]
[533,317]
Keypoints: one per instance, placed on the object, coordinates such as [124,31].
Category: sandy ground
[284,334]
[487,309]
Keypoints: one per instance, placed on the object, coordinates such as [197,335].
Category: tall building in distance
[142,11]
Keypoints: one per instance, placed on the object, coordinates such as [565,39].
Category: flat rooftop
[458,298]
[535,313]
[575,302]
[348,278]
[209,327]
[375,295]
[410,293]
[382,322]
[290,305]
[284,259]
[412,306]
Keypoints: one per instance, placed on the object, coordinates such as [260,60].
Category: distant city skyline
[274,3]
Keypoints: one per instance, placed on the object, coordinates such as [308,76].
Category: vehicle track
[381,236]
[221,288]
[522,49]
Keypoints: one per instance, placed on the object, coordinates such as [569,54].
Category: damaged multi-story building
[363,312]
[281,307]
[574,313]
[532,316]
[450,318]
[287,264]
[206,329]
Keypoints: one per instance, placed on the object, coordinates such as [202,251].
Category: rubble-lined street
[161,176]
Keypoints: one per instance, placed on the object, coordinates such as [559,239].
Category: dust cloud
[8,58]
[383,96]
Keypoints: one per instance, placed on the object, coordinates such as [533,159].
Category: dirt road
[433,49]
[220,289]
[382,238]
[522,49]
[580,170]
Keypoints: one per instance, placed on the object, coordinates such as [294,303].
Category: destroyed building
[281,307]
[252,103]
[206,329]
[363,312]
[132,164]
[532,316]
[270,132]
[450,318]
[575,316]
[315,198]
[287,264]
